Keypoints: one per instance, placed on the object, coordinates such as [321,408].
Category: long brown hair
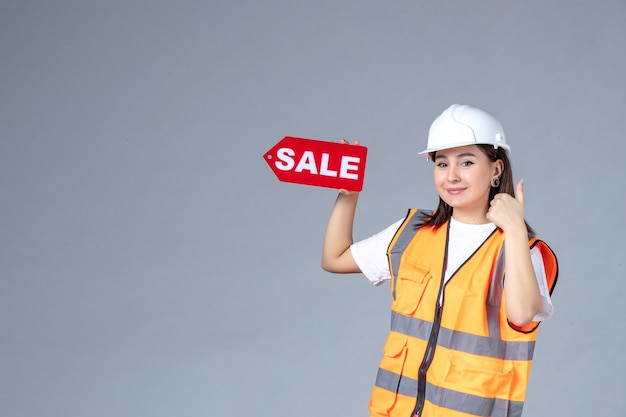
[443,213]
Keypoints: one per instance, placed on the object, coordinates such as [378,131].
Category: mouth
[455,190]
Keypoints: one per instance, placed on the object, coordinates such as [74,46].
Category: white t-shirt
[371,256]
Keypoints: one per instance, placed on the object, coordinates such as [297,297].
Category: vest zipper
[426,361]
[429,354]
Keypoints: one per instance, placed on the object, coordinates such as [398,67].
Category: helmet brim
[425,152]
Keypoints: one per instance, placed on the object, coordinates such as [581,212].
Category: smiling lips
[455,191]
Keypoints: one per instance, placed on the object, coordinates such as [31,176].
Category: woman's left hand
[506,211]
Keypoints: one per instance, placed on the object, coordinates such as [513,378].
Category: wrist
[516,229]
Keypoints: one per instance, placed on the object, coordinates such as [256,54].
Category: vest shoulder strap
[401,240]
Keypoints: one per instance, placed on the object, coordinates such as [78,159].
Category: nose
[453,175]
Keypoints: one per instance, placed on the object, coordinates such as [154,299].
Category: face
[463,178]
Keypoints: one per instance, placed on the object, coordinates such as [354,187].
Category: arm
[521,291]
[336,255]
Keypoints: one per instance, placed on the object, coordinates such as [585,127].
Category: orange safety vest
[460,357]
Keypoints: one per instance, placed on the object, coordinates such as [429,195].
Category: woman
[469,282]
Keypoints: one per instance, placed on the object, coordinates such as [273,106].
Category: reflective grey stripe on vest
[454,400]
[464,342]
[494,299]
[409,230]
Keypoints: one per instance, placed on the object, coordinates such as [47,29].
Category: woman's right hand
[343,191]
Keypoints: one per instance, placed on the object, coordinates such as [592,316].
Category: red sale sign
[319,163]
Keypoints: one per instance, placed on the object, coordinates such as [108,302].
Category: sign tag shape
[318,163]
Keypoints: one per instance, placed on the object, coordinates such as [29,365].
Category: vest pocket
[412,282]
[395,348]
[387,387]
[476,391]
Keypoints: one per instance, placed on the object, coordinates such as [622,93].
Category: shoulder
[538,245]
[540,249]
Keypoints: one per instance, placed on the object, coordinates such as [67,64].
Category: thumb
[519,192]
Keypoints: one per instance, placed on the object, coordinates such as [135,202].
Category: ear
[498,168]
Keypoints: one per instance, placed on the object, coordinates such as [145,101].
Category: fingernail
[522,181]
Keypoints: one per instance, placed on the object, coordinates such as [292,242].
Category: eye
[441,165]
[466,163]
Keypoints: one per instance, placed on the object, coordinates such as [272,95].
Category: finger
[498,196]
[344,141]
[519,192]
[488,216]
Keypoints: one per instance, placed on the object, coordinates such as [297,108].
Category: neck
[470,218]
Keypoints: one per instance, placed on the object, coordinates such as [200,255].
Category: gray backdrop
[152,265]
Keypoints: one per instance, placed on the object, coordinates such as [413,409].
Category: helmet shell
[461,125]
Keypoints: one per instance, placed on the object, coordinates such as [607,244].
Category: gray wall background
[152,265]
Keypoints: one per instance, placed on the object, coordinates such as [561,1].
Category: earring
[495,182]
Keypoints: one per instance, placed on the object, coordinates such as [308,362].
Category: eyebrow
[461,155]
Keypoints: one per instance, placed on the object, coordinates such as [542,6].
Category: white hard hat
[461,125]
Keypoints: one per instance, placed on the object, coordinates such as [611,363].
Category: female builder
[469,282]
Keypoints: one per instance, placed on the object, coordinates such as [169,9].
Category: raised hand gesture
[506,211]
